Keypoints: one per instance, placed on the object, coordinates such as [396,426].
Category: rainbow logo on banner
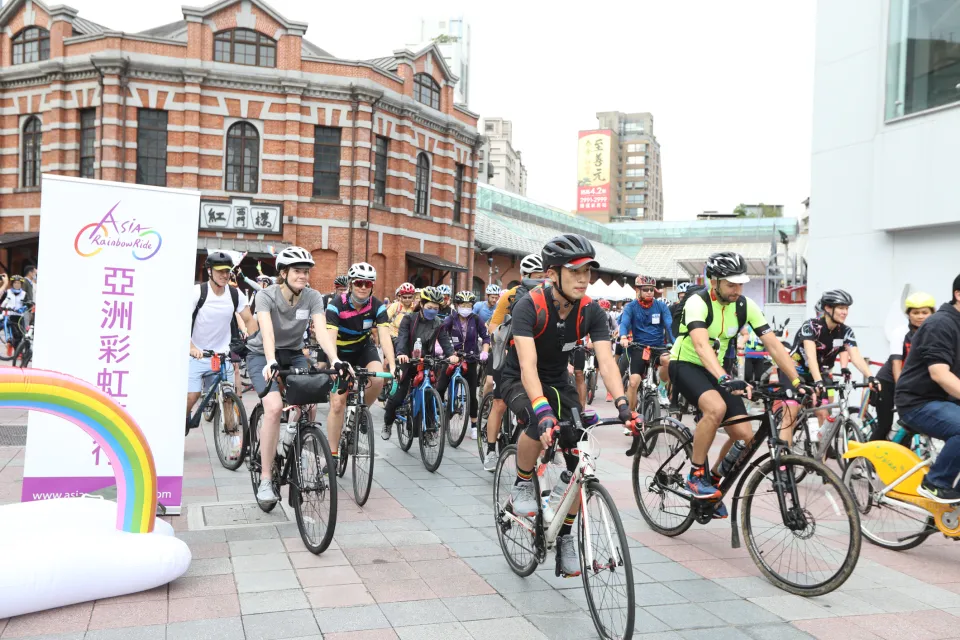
[106,422]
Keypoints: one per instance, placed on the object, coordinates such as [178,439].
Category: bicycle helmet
[217,260]
[294,257]
[569,250]
[430,294]
[645,281]
[836,297]
[362,271]
[920,300]
[406,289]
[341,281]
[531,263]
[605,305]
[729,266]
[262,278]
[466,296]
[444,290]
[493,290]
[17,279]
[683,286]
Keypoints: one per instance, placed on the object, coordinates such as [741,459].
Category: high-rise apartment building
[452,36]
[618,169]
[500,164]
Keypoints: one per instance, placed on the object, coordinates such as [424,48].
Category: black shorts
[692,381]
[578,358]
[361,357]
[497,383]
[638,366]
[516,398]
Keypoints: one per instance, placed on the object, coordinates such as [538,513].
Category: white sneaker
[473,432]
[490,461]
[265,493]
[236,443]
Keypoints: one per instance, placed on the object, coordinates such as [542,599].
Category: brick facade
[172,69]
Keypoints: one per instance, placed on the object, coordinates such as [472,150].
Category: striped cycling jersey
[355,325]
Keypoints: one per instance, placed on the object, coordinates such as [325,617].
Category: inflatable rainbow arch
[106,422]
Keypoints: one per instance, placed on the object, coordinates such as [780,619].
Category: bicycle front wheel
[849,430]
[885,521]
[517,534]
[405,432]
[343,451]
[811,545]
[23,354]
[433,435]
[591,387]
[228,438]
[314,491]
[363,458]
[254,464]
[605,564]
[659,483]
[483,414]
[460,417]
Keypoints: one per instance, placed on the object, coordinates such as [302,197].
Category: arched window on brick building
[426,90]
[30,152]
[423,185]
[243,158]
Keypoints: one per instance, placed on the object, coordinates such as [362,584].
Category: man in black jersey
[547,324]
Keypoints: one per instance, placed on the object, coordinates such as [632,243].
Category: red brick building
[351,159]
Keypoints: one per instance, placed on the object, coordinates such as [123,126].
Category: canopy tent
[599,290]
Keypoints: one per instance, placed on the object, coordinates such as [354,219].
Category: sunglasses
[406,297]
[363,284]
[647,289]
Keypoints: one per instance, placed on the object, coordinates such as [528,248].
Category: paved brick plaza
[421,561]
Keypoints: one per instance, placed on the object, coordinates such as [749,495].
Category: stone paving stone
[441,568]
[440,631]
[665,571]
[749,587]
[699,590]
[683,616]
[159,593]
[204,607]
[512,583]
[266,562]
[347,595]
[369,634]
[371,555]
[286,624]
[209,567]
[339,619]
[887,600]
[717,633]
[202,550]
[251,581]
[739,612]
[307,560]
[779,632]
[252,533]
[113,616]
[537,601]
[386,571]
[153,632]
[271,601]
[564,626]
[400,591]
[188,587]
[362,540]
[219,629]
[451,522]
[791,607]
[62,620]
[422,552]
[646,555]
[210,535]
[654,594]
[256,547]
[459,585]
[504,629]
[460,535]
[409,524]
[834,629]
[480,607]
[404,614]
[328,576]
[845,604]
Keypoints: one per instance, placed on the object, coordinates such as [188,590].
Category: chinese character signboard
[117,257]
[240,215]
[593,171]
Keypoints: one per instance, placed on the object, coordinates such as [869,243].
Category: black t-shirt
[829,343]
[557,339]
[937,341]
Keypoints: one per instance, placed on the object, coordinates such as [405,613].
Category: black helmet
[570,250]
[430,294]
[341,281]
[836,297]
[728,265]
[218,259]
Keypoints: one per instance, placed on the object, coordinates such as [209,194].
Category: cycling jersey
[650,326]
[723,328]
[829,343]
[395,314]
[354,326]
[483,309]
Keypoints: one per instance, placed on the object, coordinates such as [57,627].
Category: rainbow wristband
[541,406]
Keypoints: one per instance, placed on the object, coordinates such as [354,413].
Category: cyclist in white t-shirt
[212,330]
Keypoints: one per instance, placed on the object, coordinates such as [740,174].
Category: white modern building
[500,164]
[452,36]
[885,196]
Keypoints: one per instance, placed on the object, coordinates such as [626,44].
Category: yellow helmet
[920,300]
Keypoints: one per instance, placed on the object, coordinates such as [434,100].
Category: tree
[740,210]
[766,211]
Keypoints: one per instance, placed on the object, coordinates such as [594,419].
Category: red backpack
[541,306]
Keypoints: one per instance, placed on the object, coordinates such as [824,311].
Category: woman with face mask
[469,336]
[425,326]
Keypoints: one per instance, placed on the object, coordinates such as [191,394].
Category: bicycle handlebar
[548,454]
[283,373]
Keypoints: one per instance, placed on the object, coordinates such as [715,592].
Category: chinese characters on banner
[241,215]
[593,171]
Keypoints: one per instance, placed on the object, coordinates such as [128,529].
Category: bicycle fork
[588,560]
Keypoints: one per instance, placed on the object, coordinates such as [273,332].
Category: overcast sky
[729,83]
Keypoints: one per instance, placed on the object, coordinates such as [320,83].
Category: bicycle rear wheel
[819,550]
[517,535]
[23,354]
[650,410]
[254,464]
[848,430]
[458,420]
[591,386]
[659,484]
[230,443]
[405,429]
[343,449]
[885,521]
[363,458]
[314,490]
[483,413]
[433,435]
[605,564]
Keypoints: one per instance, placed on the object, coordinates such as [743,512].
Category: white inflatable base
[65,551]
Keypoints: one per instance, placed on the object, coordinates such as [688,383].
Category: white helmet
[362,271]
[294,256]
[444,290]
[531,263]
[493,290]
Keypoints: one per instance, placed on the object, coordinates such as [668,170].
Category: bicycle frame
[216,388]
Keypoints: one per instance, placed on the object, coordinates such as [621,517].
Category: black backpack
[235,296]
[705,296]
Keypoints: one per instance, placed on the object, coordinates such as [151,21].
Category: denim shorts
[257,361]
[198,380]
